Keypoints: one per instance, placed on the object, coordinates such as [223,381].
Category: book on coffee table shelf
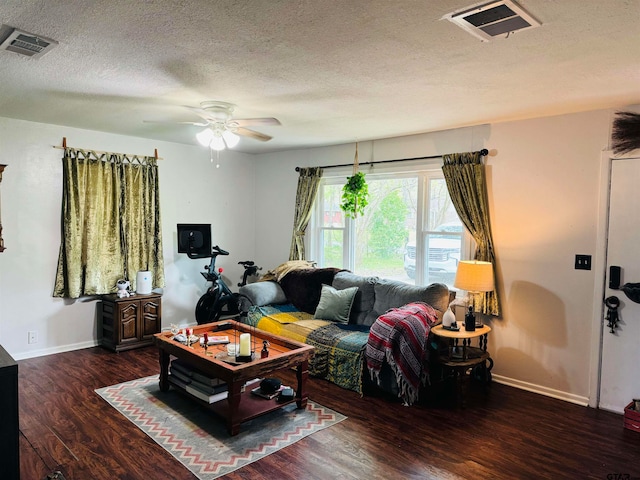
[177,365]
[209,398]
[208,394]
[212,382]
[175,373]
[208,389]
[177,381]
[269,396]
[205,393]
[180,368]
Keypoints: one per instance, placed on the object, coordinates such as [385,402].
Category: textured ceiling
[331,71]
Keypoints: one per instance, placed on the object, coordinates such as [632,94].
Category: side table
[462,357]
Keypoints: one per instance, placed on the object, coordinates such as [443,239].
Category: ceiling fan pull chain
[217,157]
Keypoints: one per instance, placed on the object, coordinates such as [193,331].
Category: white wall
[545,198]
[544,193]
[192,190]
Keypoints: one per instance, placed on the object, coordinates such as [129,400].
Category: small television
[194,239]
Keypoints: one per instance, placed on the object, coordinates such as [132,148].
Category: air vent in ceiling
[493,19]
[27,44]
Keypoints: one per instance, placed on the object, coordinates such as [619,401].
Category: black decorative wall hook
[612,304]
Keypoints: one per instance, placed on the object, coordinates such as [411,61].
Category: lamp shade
[474,276]
[205,137]
[230,138]
[218,138]
[217,143]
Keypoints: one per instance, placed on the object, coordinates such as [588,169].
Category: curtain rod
[155,152]
[484,152]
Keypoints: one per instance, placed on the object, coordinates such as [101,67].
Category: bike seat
[248,263]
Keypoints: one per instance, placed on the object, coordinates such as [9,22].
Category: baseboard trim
[548,392]
[54,350]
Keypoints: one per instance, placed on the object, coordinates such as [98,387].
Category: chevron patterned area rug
[199,439]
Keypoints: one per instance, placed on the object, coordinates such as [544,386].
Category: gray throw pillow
[263,293]
[364,299]
[335,304]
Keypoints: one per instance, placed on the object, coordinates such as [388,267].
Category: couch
[333,310]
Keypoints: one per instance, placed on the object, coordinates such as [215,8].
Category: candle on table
[245,345]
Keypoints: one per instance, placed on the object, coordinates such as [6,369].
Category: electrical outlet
[583,262]
[33,337]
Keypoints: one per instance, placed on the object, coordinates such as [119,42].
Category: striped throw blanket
[339,348]
[399,336]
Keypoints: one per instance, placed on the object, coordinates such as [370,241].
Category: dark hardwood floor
[504,433]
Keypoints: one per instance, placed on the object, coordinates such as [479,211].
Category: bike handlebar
[218,251]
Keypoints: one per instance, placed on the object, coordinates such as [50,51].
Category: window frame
[424,172]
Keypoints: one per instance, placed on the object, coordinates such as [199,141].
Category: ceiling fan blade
[253,134]
[248,122]
[197,124]
[201,113]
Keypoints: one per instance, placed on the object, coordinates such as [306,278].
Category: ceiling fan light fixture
[217,143]
[221,130]
[230,138]
[205,137]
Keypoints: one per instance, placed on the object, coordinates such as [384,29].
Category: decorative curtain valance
[465,176]
[111,225]
[92,155]
[308,184]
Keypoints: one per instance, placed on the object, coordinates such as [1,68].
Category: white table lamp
[474,277]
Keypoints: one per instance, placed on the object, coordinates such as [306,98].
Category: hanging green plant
[355,195]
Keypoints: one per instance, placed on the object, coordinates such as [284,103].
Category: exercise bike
[219,300]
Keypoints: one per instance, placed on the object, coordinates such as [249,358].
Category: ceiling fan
[222,130]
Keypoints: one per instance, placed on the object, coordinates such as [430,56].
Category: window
[410,230]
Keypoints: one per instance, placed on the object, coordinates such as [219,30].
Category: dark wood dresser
[131,322]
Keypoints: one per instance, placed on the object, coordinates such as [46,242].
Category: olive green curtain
[308,184]
[465,176]
[110,223]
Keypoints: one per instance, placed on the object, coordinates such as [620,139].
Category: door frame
[600,273]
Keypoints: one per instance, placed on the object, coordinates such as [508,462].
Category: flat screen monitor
[194,239]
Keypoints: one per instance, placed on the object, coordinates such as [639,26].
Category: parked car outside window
[443,254]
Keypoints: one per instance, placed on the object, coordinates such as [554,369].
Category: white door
[620,377]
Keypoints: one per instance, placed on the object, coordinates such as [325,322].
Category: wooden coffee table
[240,405]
